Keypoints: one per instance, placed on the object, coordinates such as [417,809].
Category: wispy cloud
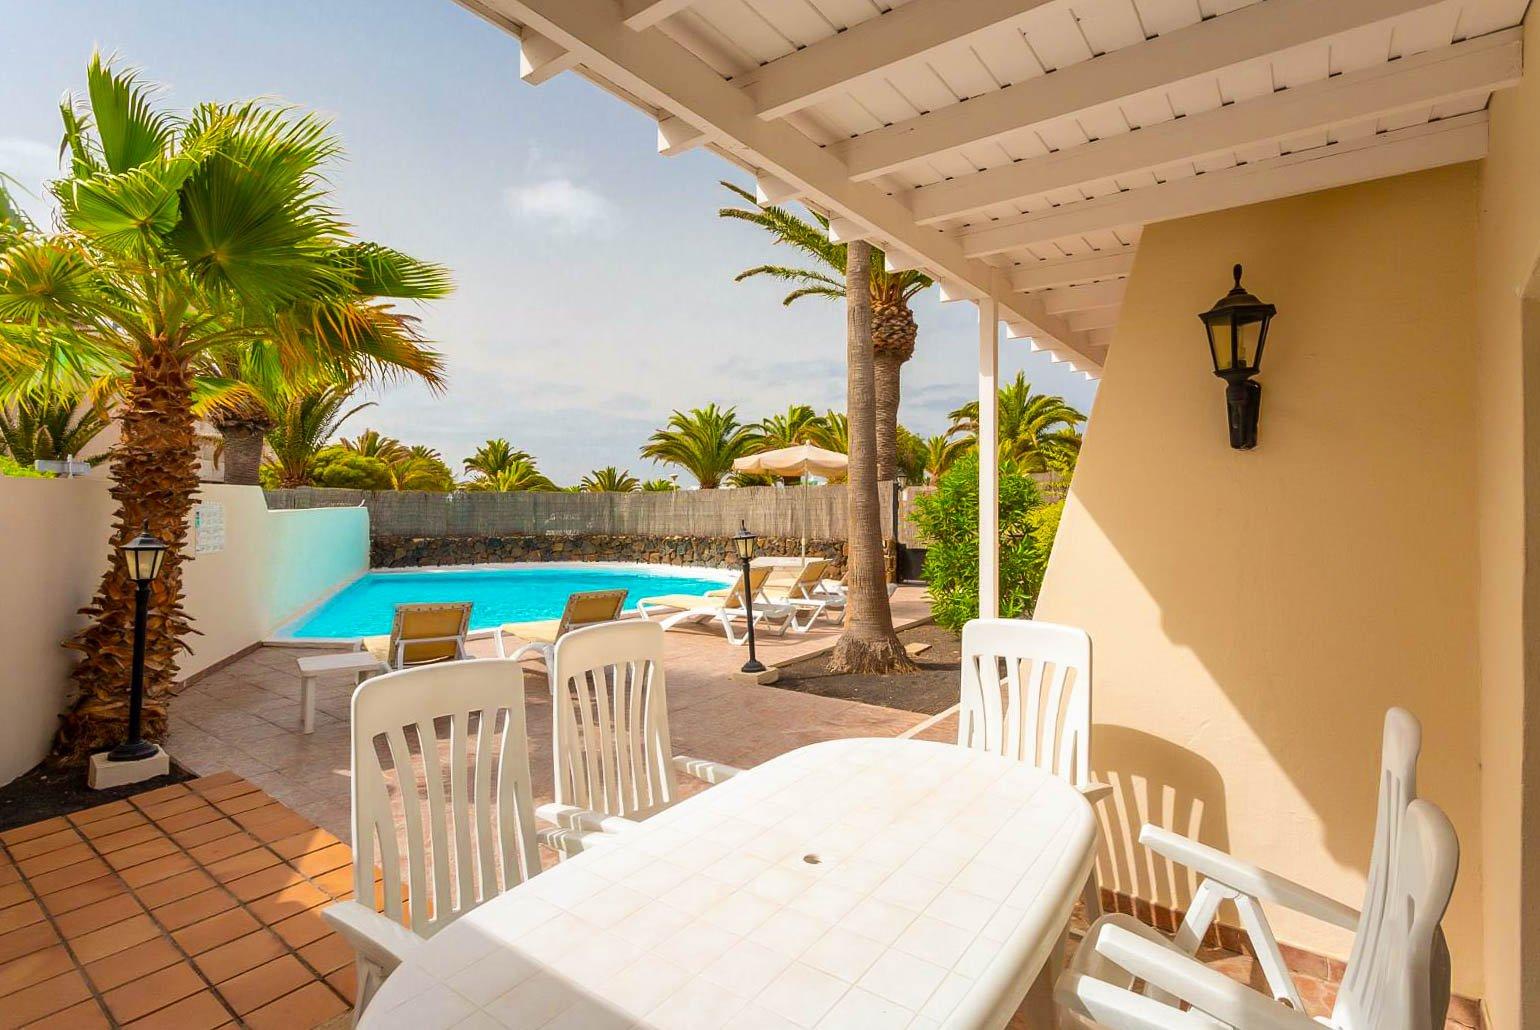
[559,201]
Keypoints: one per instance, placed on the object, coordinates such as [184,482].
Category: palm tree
[659,486]
[517,476]
[798,424]
[894,329]
[609,480]
[494,456]
[940,451]
[1037,431]
[372,444]
[832,433]
[48,428]
[704,442]
[181,237]
[911,455]
[868,643]
[302,427]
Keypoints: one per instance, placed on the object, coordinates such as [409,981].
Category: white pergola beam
[900,261]
[1093,318]
[989,459]
[770,190]
[1249,33]
[675,136]
[844,230]
[541,60]
[1080,298]
[1392,153]
[644,14]
[1088,268]
[666,76]
[873,47]
[1490,62]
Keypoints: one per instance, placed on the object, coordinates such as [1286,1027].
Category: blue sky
[595,288]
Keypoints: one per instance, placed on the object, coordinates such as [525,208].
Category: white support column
[989,459]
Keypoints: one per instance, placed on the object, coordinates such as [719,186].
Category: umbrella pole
[804,517]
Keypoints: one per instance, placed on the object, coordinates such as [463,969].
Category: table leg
[1038,1011]
[307,703]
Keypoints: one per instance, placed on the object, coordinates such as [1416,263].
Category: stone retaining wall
[396,552]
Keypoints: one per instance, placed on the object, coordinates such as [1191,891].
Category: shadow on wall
[1153,781]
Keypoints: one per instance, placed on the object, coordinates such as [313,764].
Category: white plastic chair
[1044,715]
[1397,974]
[477,837]
[609,712]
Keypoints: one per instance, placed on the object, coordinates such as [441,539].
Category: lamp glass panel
[1249,332]
[1219,341]
[745,547]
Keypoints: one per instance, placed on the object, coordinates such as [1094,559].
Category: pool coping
[275,637]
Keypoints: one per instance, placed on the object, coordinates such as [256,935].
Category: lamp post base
[108,772]
[753,665]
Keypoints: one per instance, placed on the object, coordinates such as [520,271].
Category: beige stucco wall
[1508,246]
[1254,614]
[272,565]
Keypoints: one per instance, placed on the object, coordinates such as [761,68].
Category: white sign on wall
[209,527]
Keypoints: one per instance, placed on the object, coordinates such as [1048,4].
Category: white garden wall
[271,565]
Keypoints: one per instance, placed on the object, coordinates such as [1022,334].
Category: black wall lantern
[1237,332]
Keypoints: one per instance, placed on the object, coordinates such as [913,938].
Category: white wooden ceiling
[1017,148]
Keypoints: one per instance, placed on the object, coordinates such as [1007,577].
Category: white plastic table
[853,883]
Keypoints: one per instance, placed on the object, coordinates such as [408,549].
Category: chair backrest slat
[1038,709]
[403,780]
[610,720]
[1397,972]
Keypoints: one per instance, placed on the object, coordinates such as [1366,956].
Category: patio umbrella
[800,460]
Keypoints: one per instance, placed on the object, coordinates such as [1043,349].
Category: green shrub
[344,469]
[948,524]
[9,466]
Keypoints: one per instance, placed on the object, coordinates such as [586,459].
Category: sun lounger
[726,607]
[423,634]
[584,608]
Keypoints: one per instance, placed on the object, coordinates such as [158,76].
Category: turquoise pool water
[497,595]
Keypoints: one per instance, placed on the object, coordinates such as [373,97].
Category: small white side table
[361,664]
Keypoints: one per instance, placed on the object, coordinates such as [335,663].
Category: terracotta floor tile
[57,858]
[173,806]
[345,982]
[41,845]
[261,814]
[29,969]
[110,940]
[298,931]
[85,1016]
[102,913]
[328,954]
[211,933]
[248,952]
[133,963]
[201,1011]
[8,872]
[154,872]
[268,982]
[281,904]
[44,998]
[204,784]
[204,833]
[157,990]
[25,941]
[14,894]
[141,834]
[236,788]
[187,911]
[227,847]
[166,793]
[267,881]
[34,830]
[69,876]
[323,861]
[338,883]
[139,854]
[113,824]
[304,843]
[71,898]
[243,802]
[246,862]
[100,812]
[310,1005]
[14,917]
[285,825]
[204,813]
[175,888]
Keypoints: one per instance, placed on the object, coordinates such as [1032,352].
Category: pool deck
[244,717]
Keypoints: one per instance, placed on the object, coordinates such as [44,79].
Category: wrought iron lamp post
[743,543]
[143,556]
[1237,331]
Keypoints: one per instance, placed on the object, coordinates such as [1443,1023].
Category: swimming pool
[498,593]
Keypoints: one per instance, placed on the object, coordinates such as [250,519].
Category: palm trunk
[887,365]
[242,454]
[154,473]
[868,643]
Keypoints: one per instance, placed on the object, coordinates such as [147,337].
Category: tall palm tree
[833,432]
[517,476]
[940,451]
[48,428]
[494,456]
[798,424]
[371,443]
[1037,431]
[179,237]
[610,480]
[911,455]
[409,468]
[704,442]
[894,329]
[868,643]
[302,428]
